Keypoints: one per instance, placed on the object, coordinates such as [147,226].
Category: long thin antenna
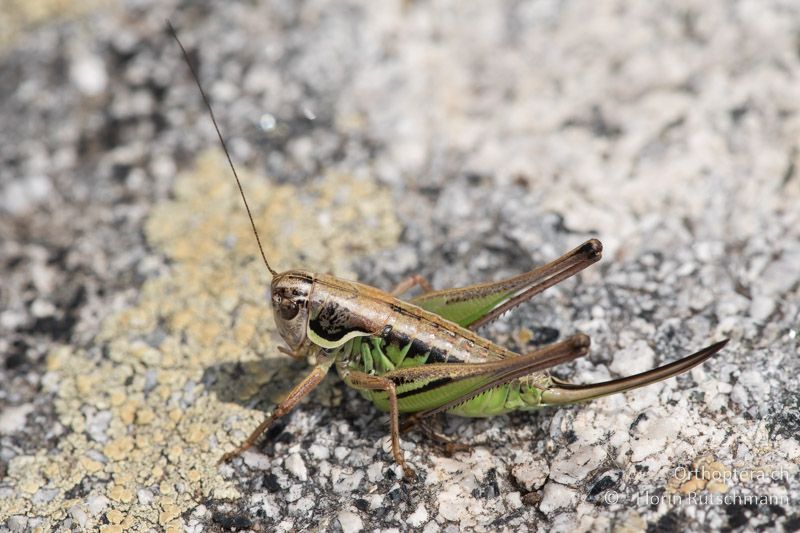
[222,141]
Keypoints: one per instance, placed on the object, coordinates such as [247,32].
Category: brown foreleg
[300,391]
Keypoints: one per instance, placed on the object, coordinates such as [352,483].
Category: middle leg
[360,380]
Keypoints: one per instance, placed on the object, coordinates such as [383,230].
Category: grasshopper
[422,356]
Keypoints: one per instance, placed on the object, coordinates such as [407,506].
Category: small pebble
[12,419]
[571,468]
[96,504]
[22,195]
[145,496]
[350,522]
[88,74]
[79,515]
[294,464]
[556,496]
[418,517]
[17,524]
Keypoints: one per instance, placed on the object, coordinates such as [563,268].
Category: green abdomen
[376,356]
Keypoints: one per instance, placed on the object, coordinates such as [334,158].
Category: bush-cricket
[422,356]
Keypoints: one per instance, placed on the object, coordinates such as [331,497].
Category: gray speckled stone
[507,132]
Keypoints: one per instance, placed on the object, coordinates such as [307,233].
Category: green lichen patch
[144,431]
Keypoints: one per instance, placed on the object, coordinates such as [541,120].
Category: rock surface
[464,141]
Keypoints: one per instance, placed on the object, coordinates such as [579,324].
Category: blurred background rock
[494,136]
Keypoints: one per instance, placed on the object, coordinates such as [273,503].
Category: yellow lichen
[30,486]
[117,398]
[706,474]
[209,310]
[717,486]
[90,465]
[16,16]
[694,484]
[114,516]
[522,336]
[145,416]
[120,494]
[119,448]
[169,511]
[175,526]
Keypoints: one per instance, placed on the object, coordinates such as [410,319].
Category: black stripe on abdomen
[436,383]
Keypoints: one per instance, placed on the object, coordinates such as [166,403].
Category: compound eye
[288,309]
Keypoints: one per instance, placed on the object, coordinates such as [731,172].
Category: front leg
[360,380]
[300,391]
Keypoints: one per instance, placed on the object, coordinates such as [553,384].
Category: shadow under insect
[258,385]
